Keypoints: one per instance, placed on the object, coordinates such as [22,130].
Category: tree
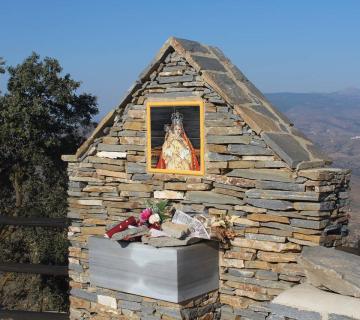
[42,116]
[2,63]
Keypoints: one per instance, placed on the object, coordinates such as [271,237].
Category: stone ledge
[69,158]
[307,302]
[333,269]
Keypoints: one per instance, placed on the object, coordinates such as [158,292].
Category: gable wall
[274,211]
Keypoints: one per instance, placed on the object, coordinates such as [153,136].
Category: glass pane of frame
[175,131]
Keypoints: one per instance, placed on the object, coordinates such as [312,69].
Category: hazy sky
[298,45]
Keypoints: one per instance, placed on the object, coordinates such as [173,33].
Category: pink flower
[145,214]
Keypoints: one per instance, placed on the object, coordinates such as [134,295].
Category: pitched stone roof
[229,82]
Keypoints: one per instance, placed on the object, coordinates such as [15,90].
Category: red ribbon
[131,221]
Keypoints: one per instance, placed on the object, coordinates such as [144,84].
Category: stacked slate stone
[274,210]
[282,213]
[103,304]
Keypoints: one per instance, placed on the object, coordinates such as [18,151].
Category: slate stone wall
[98,303]
[274,211]
[262,261]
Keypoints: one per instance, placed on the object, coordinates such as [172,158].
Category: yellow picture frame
[175,103]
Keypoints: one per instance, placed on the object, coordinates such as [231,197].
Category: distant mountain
[345,99]
[332,120]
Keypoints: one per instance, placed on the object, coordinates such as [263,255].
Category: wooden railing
[34,222]
[32,315]
[33,268]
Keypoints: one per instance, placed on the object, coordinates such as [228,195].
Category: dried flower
[154,218]
[145,215]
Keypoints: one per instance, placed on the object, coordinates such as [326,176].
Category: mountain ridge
[344,99]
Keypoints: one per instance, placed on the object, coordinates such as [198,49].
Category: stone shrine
[241,163]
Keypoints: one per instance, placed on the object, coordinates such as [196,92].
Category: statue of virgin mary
[177,152]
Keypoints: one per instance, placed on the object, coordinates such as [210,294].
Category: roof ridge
[230,83]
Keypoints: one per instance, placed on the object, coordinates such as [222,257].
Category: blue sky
[298,46]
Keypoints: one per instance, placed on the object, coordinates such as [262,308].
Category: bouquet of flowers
[154,214]
[150,218]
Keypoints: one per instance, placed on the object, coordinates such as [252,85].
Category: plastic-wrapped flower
[145,214]
[154,218]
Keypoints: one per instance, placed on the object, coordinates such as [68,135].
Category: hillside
[332,120]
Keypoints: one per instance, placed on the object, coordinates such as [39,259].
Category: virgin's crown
[177,118]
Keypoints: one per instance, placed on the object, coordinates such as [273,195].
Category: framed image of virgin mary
[175,137]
